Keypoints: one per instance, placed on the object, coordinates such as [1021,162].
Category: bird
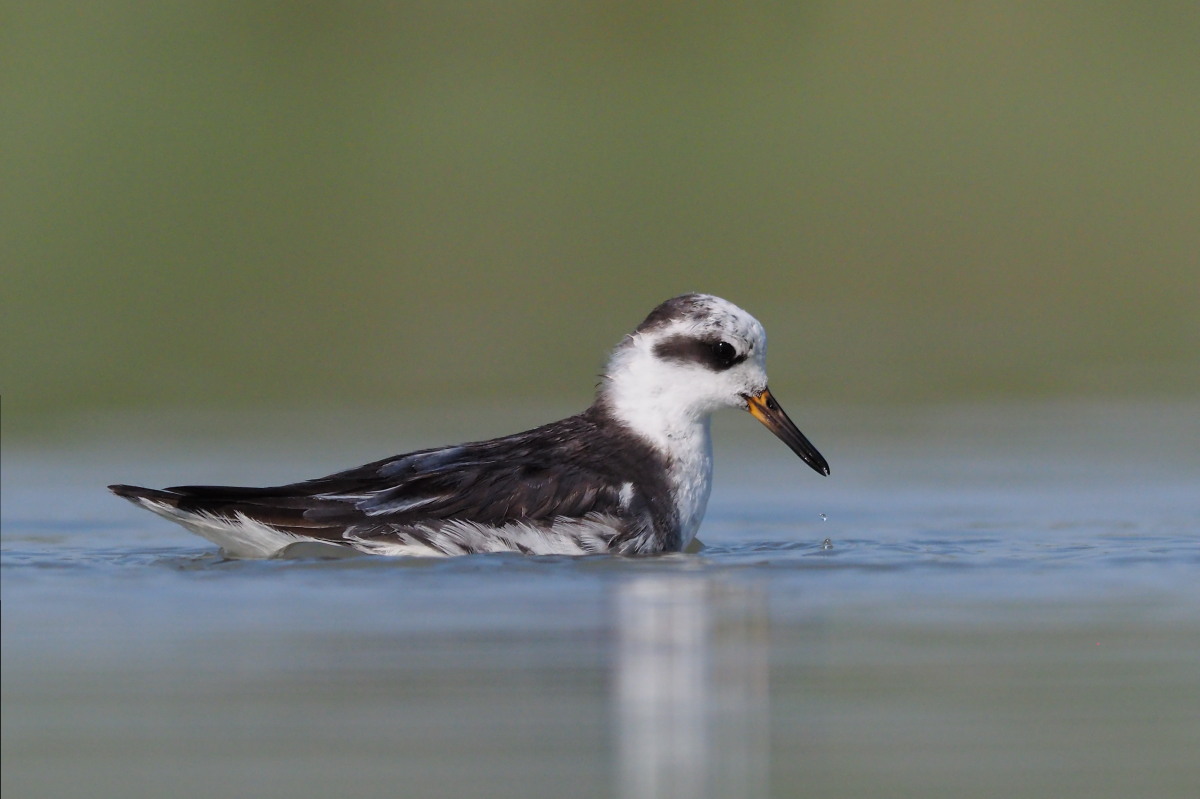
[630,475]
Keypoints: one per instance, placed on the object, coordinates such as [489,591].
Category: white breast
[689,474]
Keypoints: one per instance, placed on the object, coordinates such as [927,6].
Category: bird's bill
[765,409]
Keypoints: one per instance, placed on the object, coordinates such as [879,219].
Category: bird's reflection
[691,688]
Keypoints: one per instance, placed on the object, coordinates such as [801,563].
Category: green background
[274,204]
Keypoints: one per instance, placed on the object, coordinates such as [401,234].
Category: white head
[692,355]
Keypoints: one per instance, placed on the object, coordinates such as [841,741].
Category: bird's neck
[679,433]
[664,417]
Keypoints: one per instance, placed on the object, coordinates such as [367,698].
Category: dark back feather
[570,468]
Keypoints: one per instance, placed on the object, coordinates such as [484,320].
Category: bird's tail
[229,527]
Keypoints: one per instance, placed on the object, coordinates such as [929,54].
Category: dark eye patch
[713,353]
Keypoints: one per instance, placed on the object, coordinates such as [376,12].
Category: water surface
[983,600]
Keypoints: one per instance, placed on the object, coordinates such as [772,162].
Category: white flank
[240,537]
[585,536]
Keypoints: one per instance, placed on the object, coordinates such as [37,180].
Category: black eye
[723,352]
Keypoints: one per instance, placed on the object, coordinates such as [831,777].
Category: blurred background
[281,205]
[250,242]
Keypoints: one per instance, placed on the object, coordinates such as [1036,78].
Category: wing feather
[530,478]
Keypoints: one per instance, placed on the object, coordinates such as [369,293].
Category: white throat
[673,420]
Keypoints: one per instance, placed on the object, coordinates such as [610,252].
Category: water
[983,600]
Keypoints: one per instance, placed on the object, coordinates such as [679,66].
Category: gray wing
[531,479]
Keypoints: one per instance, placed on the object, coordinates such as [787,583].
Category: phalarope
[630,475]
